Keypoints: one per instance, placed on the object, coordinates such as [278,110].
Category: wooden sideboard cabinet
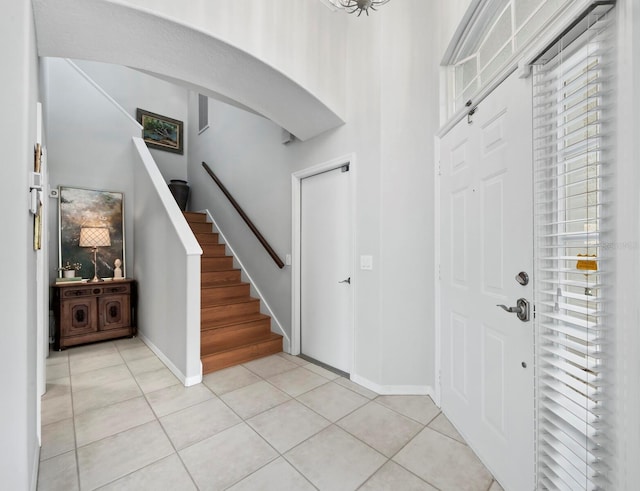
[88,312]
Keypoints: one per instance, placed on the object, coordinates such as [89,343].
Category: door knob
[348,280]
[521,309]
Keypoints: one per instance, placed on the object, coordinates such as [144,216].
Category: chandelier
[353,6]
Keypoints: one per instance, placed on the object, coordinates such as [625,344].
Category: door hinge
[439,168]
[439,272]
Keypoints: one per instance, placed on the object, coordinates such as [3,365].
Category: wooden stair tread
[224,284]
[241,354]
[233,331]
[194,216]
[231,301]
[271,337]
[234,321]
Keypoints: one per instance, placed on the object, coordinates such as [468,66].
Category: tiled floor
[115,418]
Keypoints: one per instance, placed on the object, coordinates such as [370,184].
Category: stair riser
[205,239]
[219,361]
[213,250]
[214,295]
[213,340]
[199,227]
[221,313]
[216,264]
[195,217]
[213,278]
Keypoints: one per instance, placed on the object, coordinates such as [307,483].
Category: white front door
[325,279]
[487,373]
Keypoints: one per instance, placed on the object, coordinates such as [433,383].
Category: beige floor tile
[254,399]
[95,378]
[57,438]
[58,371]
[167,474]
[136,353]
[270,365]
[100,423]
[297,381]
[332,401]
[56,409]
[59,473]
[90,350]
[279,475]
[238,452]
[419,408]
[293,359]
[383,429]
[58,387]
[57,357]
[128,343]
[176,397]
[94,361]
[321,371]
[229,379]
[198,422]
[105,395]
[288,424]
[392,477]
[444,426]
[104,461]
[495,486]
[156,380]
[359,389]
[148,364]
[334,460]
[444,463]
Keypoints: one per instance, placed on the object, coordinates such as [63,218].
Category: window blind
[572,165]
[203,113]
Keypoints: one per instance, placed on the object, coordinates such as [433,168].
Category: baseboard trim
[394,390]
[186,381]
[35,468]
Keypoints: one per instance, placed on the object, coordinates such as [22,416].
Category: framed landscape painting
[161,132]
[80,208]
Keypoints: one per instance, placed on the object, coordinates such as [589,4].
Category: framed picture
[87,208]
[161,132]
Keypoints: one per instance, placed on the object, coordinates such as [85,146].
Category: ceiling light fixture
[359,6]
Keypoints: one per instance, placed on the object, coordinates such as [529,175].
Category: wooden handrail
[244,216]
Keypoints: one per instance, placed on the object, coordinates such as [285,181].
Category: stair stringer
[286,345]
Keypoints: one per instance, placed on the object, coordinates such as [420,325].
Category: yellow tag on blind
[587,264]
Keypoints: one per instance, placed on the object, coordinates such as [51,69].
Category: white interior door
[487,376]
[325,299]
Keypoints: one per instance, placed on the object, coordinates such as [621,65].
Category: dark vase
[180,191]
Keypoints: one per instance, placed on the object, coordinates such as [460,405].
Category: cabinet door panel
[115,311]
[80,316]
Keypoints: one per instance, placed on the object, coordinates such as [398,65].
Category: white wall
[133,89]
[18,98]
[389,128]
[89,147]
[168,272]
[290,35]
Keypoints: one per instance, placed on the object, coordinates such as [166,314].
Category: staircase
[232,329]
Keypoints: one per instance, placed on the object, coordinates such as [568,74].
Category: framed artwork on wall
[161,132]
[86,210]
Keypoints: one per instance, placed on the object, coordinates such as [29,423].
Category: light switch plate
[366,262]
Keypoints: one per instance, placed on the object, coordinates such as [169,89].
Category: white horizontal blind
[572,138]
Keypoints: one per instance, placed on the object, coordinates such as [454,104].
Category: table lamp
[94,237]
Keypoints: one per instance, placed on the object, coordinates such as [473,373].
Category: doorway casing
[296,216]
